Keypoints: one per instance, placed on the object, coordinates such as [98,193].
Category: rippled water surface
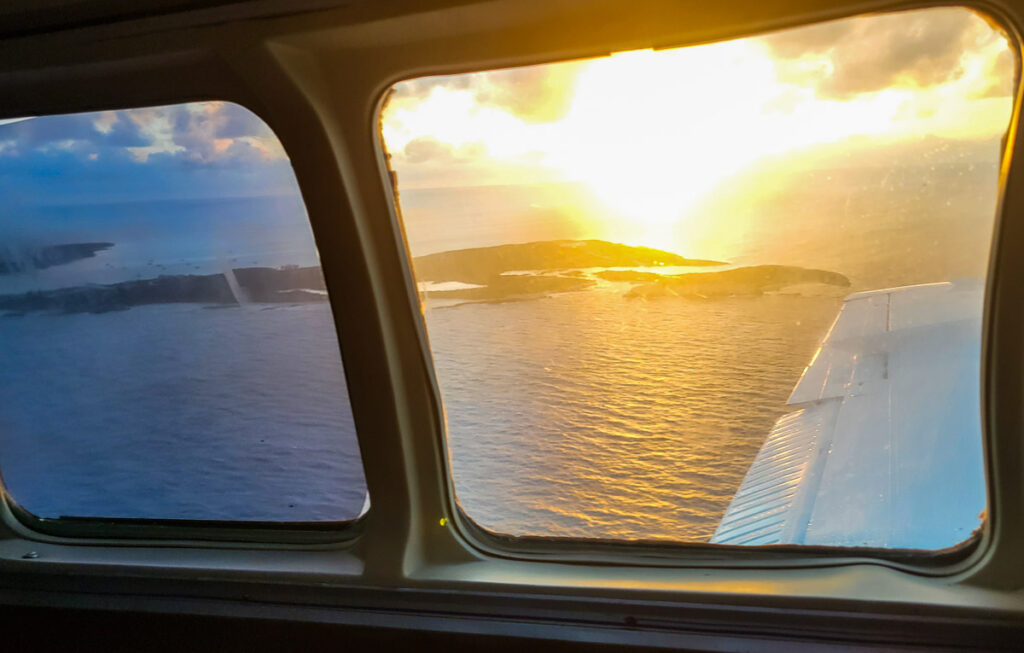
[179,412]
[579,414]
[592,415]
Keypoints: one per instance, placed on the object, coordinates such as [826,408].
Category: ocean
[579,414]
[177,411]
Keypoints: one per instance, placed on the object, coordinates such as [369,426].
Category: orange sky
[650,132]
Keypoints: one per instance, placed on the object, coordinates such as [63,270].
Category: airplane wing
[883,447]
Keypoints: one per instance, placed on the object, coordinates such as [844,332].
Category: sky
[650,132]
[168,186]
[186,151]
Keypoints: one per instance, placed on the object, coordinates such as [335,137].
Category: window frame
[939,562]
[340,532]
[317,79]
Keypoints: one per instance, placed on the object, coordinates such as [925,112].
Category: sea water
[584,414]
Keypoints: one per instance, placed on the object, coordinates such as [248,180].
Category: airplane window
[728,293]
[167,349]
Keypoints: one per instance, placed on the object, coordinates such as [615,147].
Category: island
[289,284]
[503,273]
[482,264]
[14,260]
[532,270]
[519,271]
[746,281]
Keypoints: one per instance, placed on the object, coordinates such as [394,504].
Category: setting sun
[650,134]
[687,119]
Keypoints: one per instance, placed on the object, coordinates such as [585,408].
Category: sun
[652,132]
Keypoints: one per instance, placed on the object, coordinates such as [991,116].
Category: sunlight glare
[651,132]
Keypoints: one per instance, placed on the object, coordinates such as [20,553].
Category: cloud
[844,58]
[427,148]
[238,122]
[1000,73]
[202,133]
[531,93]
[209,149]
[422,87]
[106,121]
[216,132]
[52,131]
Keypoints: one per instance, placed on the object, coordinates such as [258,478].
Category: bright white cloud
[105,122]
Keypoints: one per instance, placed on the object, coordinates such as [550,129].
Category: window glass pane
[675,295]
[167,349]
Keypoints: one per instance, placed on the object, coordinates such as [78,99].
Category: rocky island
[753,280]
[532,270]
[502,273]
[483,264]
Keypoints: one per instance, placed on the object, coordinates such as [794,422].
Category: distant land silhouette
[512,272]
[554,266]
[259,285]
[482,264]
[753,280]
[14,260]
